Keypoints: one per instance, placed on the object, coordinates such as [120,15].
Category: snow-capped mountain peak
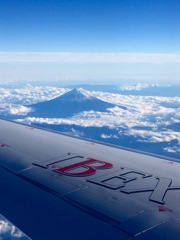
[77,94]
[69,104]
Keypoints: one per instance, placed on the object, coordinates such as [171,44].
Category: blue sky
[145,33]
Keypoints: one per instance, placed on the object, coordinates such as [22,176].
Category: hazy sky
[91,40]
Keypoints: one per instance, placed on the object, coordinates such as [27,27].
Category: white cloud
[63,57]
[145,118]
[9,231]
[30,94]
[138,87]
[154,137]
[105,136]
[173,149]
[19,110]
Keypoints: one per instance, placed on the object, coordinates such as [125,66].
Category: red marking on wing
[163,209]
[55,166]
[169,162]
[89,169]
[4,145]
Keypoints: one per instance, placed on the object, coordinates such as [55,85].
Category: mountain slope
[69,104]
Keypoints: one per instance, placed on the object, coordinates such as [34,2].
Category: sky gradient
[105,40]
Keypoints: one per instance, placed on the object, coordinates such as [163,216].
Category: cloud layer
[64,57]
[9,231]
[149,119]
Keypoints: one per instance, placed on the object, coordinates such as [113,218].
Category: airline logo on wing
[126,180]
[89,166]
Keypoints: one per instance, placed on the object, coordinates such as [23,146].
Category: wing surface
[58,187]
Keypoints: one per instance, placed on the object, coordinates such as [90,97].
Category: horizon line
[87,57]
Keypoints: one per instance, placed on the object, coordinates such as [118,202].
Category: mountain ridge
[69,104]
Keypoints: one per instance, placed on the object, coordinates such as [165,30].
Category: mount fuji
[69,104]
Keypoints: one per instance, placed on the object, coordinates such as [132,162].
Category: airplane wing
[54,186]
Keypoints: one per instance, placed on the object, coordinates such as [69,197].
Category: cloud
[9,231]
[30,94]
[173,149]
[65,57]
[149,119]
[19,110]
[154,137]
[138,87]
[105,136]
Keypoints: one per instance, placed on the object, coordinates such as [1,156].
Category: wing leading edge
[59,187]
